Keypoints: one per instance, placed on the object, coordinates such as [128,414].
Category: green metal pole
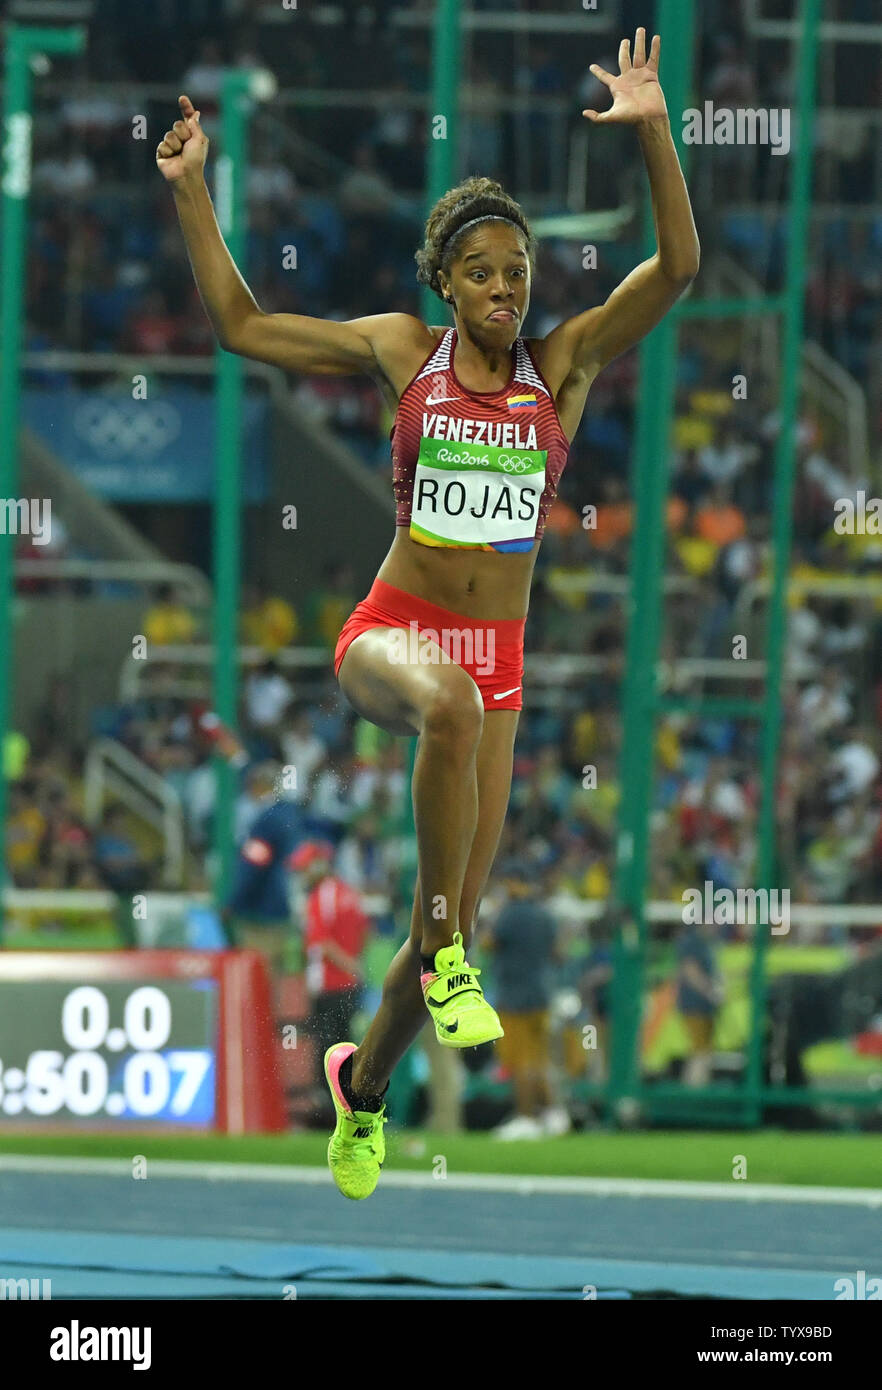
[782,518]
[22,45]
[443,124]
[441,162]
[231,214]
[658,354]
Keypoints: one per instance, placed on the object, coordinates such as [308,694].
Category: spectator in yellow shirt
[25,828]
[332,603]
[268,621]
[168,623]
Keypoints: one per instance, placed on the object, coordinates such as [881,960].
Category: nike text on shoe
[456,1002]
[357,1147]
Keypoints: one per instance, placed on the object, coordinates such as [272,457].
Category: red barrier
[250,1099]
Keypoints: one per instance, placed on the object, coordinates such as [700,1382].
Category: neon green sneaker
[456,1002]
[357,1147]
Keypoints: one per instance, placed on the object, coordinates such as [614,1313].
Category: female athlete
[484,419]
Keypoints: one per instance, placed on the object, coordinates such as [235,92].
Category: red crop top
[485,464]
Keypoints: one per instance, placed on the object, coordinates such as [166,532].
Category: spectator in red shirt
[336,927]
[151,328]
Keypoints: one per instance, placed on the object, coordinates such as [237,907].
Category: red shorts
[491,651]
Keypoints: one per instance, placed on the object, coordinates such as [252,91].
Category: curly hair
[474,197]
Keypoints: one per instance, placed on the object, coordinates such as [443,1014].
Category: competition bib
[476,495]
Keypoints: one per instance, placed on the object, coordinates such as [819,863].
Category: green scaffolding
[627,1092]
[26,50]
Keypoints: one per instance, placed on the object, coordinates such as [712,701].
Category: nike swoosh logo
[502,694]
[442,399]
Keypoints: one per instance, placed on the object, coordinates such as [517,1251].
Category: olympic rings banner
[160,449]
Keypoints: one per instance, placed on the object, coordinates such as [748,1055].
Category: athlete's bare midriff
[482,584]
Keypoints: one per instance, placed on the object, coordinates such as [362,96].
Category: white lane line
[197,1169]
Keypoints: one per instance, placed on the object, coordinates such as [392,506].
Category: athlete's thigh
[494,765]
[394,693]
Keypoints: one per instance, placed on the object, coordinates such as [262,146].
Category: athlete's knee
[455,712]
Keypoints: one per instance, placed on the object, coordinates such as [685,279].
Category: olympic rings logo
[513,463]
[120,427]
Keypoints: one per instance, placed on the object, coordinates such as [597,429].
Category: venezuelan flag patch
[526,401]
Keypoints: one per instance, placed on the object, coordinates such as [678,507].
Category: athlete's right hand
[181,152]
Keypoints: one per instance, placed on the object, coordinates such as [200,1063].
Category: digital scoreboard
[130,1053]
[138,1039]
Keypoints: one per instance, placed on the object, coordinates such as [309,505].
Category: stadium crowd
[349,781]
[117,267]
[132,290]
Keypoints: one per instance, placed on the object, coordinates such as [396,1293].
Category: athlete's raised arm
[291,341]
[592,339]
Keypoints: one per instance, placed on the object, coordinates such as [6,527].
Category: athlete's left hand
[636,93]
